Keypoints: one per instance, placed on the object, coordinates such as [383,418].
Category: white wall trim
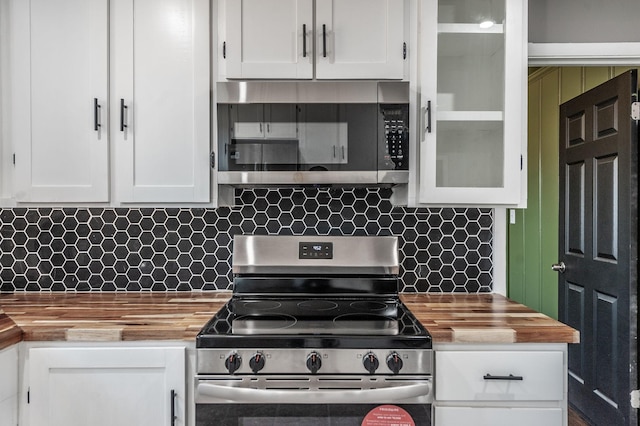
[500,251]
[581,54]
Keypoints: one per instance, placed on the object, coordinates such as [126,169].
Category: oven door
[313,401]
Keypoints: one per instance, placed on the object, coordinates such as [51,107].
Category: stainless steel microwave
[312,133]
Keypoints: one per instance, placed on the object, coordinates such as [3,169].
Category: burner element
[369,305]
[363,317]
[317,305]
[261,305]
[262,324]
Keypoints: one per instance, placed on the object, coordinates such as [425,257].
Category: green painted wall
[533,238]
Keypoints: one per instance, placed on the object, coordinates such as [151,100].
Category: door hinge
[635,111]
[213,160]
[404,50]
[635,399]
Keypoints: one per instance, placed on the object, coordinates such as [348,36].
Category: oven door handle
[338,396]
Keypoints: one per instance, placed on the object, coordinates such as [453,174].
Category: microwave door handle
[338,396]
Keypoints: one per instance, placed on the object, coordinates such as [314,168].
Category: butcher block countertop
[450,318]
[485,318]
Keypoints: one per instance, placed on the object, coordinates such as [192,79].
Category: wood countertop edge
[10,333]
[510,322]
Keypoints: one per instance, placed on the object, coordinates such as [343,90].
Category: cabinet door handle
[343,152]
[96,115]
[324,41]
[510,377]
[123,108]
[427,112]
[173,407]
[304,40]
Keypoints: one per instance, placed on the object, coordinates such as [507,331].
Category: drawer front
[499,376]
[456,416]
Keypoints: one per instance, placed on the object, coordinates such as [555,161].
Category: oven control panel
[315,361]
[311,250]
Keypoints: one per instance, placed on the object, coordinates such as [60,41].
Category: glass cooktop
[313,322]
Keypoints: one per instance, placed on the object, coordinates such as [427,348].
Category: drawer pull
[509,377]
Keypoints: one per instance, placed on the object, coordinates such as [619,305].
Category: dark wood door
[598,246]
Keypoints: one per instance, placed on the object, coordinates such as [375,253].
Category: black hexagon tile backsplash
[175,249]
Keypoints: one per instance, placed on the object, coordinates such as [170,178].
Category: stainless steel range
[314,334]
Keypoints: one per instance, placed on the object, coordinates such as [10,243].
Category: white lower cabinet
[106,386]
[9,386]
[523,384]
[497,416]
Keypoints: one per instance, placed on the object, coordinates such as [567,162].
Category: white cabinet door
[279,39]
[471,136]
[359,39]
[161,99]
[456,416]
[9,386]
[59,100]
[106,386]
[269,39]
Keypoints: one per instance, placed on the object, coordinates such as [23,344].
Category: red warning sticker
[388,415]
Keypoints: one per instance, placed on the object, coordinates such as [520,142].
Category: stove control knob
[370,362]
[314,362]
[257,362]
[394,362]
[232,363]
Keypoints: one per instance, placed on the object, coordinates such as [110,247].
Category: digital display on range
[312,250]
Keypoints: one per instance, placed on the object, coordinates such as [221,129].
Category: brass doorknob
[559,267]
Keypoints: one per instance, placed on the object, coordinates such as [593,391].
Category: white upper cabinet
[360,39]
[86,74]
[59,94]
[279,39]
[472,122]
[269,39]
[160,104]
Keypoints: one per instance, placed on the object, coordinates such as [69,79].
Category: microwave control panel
[395,136]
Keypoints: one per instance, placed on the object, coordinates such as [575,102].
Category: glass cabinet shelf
[470,115]
[470,29]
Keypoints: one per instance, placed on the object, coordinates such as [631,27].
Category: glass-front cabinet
[472,77]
